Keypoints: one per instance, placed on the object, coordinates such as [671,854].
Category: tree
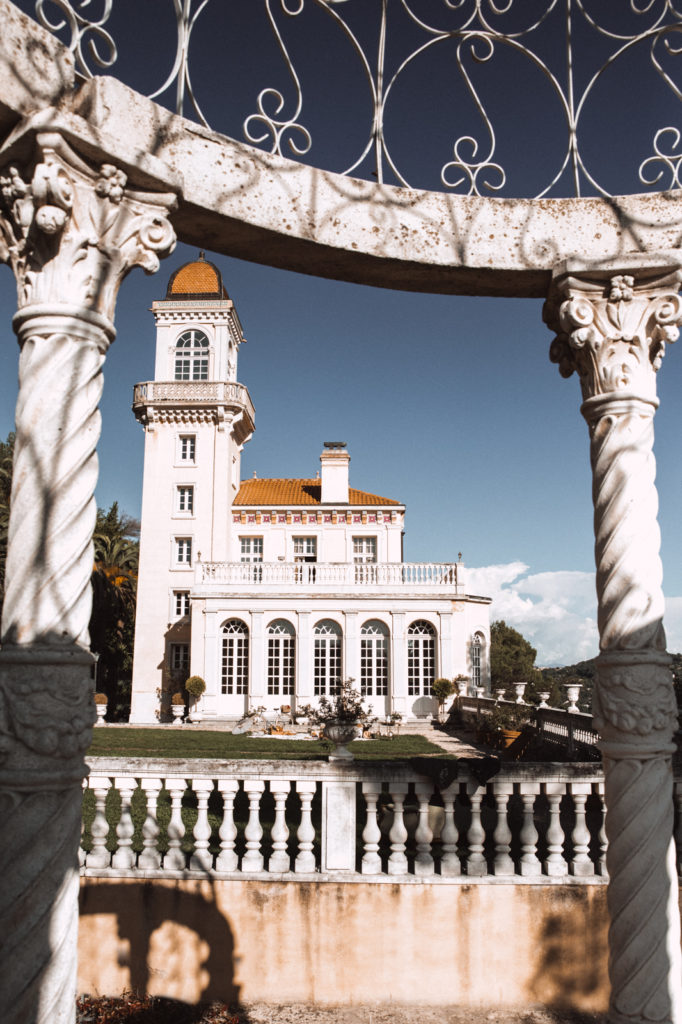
[112,623]
[512,658]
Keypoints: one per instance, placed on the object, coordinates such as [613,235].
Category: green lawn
[190,743]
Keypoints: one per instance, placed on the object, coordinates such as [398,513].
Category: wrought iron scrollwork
[480,32]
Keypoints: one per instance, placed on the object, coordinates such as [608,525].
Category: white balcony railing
[244,818]
[413,576]
[193,391]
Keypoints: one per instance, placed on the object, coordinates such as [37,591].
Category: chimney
[334,462]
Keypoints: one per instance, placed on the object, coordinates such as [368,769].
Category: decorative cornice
[612,329]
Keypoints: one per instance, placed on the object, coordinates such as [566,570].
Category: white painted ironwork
[479,36]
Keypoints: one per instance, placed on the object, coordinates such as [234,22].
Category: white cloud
[555,611]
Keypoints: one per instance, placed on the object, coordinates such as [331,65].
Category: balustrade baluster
[423,864]
[449,863]
[476,864]
[150,858]
[201,859]
[81,851]
[175,860]
[99,856]
[305,861]
[502,836]
[603,838]
[397,861]
[555,863]
[227,859]
[371,833]
[529,864]
[581,864]
[279,859]
[253,833]
[123,857]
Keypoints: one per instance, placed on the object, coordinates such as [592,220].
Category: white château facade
[272,590]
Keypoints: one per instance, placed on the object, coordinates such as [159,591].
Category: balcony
[433,578]
[194,399]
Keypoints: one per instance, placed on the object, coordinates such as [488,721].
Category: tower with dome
[272,590]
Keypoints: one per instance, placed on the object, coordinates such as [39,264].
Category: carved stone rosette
[611,329]
[70,231]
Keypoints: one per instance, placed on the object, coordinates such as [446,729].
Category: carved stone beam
[612,326]
[70,231]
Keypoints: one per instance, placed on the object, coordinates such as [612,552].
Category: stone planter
[544,697]
[573,693]
[101,710]
[178,711]
[340,733]
[519,690]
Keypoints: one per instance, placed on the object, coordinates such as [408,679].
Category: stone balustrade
[338,576]
[376,821]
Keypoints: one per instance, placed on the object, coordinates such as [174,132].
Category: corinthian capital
[612,326]
[71,231]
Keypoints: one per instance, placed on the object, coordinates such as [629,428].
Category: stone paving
[394,1014]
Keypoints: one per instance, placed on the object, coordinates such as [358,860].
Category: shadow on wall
[171,943]
[573,933]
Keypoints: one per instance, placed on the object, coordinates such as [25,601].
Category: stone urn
[340,733]
[480,691]
[544,697]
[178,712]
[101,710]
[500,694]
[573,693]
[462,687]
[518,690]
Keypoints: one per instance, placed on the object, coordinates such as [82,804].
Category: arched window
[374,659]
[234,668]
[477,647]
[281,657]
[191,356]
[421,658]
[327,656]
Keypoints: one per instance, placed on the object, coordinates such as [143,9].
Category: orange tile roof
[298,492]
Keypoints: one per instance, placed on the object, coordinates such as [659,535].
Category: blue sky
[447,403]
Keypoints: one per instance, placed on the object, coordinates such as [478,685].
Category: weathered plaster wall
[335,943]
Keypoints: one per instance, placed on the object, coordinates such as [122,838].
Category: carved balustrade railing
[287,818]
[431,576]
[570,733]
[200,391]
[453,63]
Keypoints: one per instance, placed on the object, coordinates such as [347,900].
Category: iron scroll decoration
[478,32]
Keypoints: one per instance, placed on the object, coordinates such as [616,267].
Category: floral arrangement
[345,705]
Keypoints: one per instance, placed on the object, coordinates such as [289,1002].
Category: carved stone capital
[634,703]
[612,327]
[71,231]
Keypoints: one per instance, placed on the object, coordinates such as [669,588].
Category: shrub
[442,689]
[195,686]
[101,698]
[177,698]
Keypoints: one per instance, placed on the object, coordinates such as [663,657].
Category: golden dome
[199,279]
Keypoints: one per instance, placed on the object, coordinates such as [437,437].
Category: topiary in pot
[442,689]
[101,707]
[195,686]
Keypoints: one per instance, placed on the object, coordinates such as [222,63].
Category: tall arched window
[477,647]
[374,659]
[281,657]
[234,668]
[421,658]
[327,656]
[191,356]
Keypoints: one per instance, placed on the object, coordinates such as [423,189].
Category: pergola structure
[96,179]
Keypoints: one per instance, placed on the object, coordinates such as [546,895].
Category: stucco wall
[326,942]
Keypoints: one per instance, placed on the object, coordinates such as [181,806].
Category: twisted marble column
[612,328]
[71,232]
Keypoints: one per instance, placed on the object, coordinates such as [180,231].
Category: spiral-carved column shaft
[612,329]
[71,232]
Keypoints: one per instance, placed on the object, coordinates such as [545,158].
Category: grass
[190,743]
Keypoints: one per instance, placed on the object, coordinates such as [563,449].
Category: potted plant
[177,708]
[101,701]
[505,722]
[195,686]
[341,717]
[304,713]
[442,689]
